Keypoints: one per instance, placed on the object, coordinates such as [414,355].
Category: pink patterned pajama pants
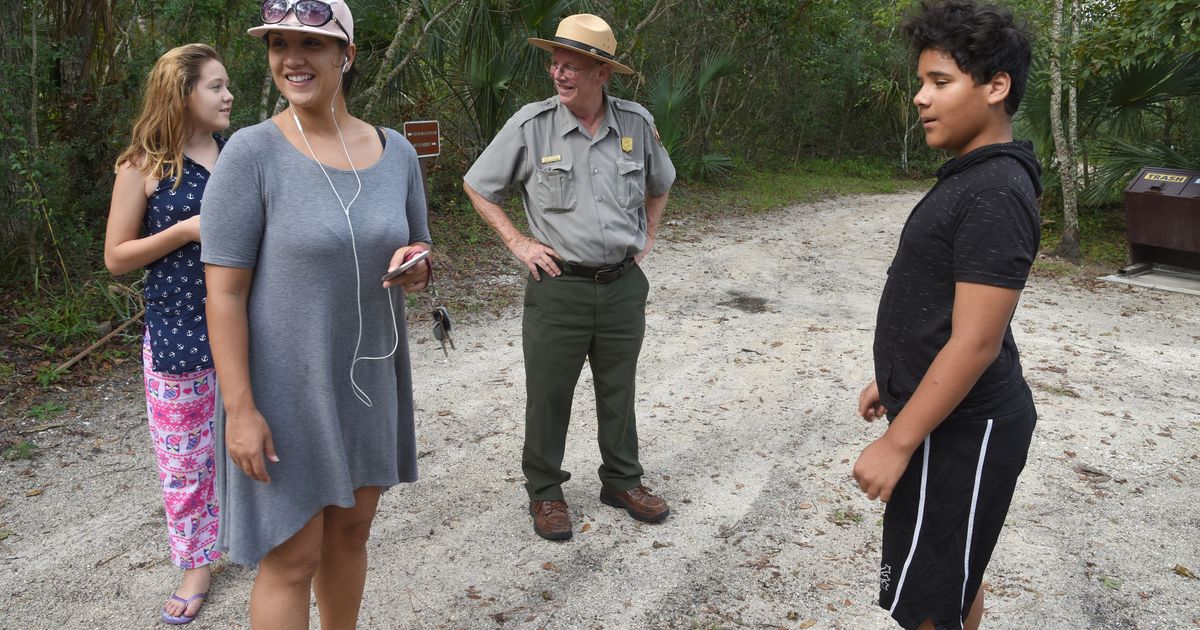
[180,409]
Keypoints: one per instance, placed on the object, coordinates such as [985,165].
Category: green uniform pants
[568,319]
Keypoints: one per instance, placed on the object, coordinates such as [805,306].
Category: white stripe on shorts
[987,433]
[917,531]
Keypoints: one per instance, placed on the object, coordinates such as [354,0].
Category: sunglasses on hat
[307,12]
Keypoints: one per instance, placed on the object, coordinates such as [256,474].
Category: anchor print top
[174,289]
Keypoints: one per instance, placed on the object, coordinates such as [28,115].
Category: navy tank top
[174,291]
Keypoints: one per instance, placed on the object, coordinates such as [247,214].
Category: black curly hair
[983,40]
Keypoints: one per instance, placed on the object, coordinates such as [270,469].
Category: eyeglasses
[569,71]
[307,12]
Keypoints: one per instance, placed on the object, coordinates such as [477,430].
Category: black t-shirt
[978,224]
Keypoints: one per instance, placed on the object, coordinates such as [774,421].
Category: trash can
[1162,218]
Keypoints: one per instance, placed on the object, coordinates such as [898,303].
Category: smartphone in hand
[408,264]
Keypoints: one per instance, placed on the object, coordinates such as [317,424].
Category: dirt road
[759,340]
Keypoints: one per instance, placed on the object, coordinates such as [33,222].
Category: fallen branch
[75,359]
[100,563]
[118,471]
[39,428]
[658,9]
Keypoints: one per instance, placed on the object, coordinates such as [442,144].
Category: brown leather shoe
[639,503]
[550,519]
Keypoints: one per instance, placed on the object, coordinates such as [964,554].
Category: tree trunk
[906,111]
[1068,246]
[1077,163]
[33,76]
[712,113]
[387,71]
[372,94]
[33,126]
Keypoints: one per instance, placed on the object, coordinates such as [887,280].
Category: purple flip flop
[170,619]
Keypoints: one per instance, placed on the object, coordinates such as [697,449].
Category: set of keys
[442,325]
[441,329]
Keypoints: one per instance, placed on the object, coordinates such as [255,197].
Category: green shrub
[46,410]
[20,450]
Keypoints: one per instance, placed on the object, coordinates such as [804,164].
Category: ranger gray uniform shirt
[585,197]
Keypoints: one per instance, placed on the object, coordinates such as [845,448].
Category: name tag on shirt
[551,158]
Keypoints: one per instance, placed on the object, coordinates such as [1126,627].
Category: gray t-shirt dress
[269,208]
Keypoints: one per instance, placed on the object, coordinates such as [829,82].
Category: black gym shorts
[945,515]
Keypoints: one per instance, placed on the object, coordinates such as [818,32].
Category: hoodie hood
[1020,150]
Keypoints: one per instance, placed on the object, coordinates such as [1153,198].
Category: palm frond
[1119,160]
[540,17]
[1119,100]
[714,166]
[715,66]
[670,94]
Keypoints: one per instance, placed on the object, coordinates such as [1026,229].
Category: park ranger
[594,178]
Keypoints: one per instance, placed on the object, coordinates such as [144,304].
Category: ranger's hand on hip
[535,254]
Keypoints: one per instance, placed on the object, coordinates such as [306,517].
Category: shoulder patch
[533,110]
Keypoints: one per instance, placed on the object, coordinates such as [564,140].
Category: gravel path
[759,340]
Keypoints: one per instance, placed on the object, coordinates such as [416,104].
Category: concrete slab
[1158,278]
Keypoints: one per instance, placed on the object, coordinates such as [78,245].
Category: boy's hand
[879,468]
[868,403]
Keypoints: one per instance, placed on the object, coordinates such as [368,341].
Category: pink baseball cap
[341,26]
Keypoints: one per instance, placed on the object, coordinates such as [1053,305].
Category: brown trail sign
[426,138]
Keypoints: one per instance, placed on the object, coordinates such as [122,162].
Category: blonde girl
[154,222]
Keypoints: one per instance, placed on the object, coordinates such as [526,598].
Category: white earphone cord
[358,391]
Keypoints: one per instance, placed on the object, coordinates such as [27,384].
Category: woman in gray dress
[303,215]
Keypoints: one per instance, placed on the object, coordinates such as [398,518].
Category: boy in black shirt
[947,373]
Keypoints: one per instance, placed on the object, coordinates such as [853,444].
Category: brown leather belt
[602,275]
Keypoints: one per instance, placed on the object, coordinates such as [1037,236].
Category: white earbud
[345,63]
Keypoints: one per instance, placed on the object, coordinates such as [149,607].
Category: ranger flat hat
[587,35]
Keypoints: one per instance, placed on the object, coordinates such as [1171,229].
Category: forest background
[748,96]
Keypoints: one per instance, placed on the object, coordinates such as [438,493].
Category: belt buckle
[606,275]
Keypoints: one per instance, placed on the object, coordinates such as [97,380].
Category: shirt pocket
[631,184]
[555,187]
